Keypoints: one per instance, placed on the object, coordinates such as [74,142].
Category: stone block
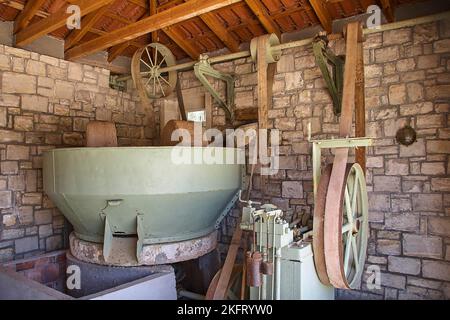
[422,246]
[439,226]
[404,265]
[36,68]
[388,184]
[436,270]
[402,221]
[35,103]
[396,167]
[427,202]
[397,94]
[23,123]
[18,83]
[14,152]
[389,247]
[292,189]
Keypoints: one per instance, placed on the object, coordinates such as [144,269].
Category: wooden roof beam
[86,24]
[28,12]
[388,10]
[322,13]
[211,20]
[161,20]
[186,46]
[263,16]
[55,21]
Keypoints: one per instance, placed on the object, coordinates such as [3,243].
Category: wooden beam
[322,13]
[86,24]
[186,46]
[55,21]
[161,20]
[28,12]
[152,5]
[388,10]
[211,20]
[116,51]
[263,16]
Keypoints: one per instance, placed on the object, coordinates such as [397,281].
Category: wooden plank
[158,21]
[247,114]
[211,20]
[263,16]
[55,21]
[86,24]
[388,10]
[322,13]
[225,274]
[186,46]
[28,12]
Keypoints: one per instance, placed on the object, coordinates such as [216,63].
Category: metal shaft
[299,43]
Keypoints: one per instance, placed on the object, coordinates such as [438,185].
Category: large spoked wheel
[354,229]
[146,68]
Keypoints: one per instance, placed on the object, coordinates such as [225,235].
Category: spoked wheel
[351,241]
[146,68]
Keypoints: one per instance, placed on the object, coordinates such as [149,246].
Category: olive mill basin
[173,202]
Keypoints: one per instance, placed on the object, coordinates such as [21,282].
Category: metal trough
[141,192]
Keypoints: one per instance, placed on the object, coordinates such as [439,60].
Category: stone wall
[407,79]
[46,103]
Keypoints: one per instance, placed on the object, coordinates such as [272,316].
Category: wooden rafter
[263,16]
[211,20]
[116,51]
[388,10]
[28,12]
[55,21]
[322,13]
[213,23]
[86,24]
[158,21]
[186,46]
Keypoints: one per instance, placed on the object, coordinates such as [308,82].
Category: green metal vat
[140,191]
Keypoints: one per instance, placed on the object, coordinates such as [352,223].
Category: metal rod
[278,274]
[299,43]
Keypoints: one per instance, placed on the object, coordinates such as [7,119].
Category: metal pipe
[278,274]
[299,43]
[264,278]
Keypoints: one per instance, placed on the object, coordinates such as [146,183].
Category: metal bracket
[318,145]
[227,209]
[202,69]
[325,58]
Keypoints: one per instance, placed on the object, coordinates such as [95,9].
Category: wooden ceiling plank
[263,16]
[322,13]
[161,20]
[388,10]
[55,21]
[86,24]
[28,12]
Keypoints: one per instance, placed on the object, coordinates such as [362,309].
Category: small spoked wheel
[148,73]
[351,241]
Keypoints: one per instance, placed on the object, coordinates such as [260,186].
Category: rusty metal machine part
[406,136]
[153,254]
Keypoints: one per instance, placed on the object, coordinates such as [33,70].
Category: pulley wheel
[353,229]
[146,67]
[318,225]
